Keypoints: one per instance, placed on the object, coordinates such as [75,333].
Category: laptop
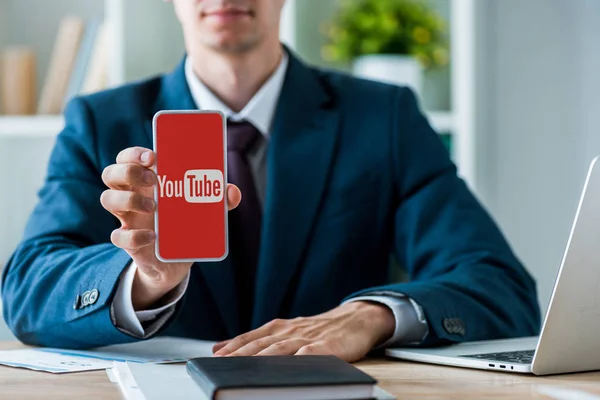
[570,337]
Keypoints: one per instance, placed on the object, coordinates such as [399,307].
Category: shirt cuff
[411,325]
[129,320]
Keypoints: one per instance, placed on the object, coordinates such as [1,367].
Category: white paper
[126,382]
[171,382]
[157,350]
[112,374]
[381,394]
[50,362]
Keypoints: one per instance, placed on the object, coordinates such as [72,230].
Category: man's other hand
[349,332]
[130,198]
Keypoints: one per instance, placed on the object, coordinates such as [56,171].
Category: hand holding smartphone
[191,189]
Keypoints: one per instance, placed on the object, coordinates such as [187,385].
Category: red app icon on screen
[190,195]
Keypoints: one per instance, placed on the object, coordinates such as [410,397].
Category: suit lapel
[218,276]
[299,158]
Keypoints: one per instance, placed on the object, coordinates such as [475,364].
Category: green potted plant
[388,40]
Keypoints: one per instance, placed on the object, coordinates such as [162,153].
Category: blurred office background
[517,105]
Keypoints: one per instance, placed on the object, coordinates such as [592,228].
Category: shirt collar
[260,109]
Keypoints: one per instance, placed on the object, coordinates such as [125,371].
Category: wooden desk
[405,380]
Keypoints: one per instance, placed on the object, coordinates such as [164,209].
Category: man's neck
[235,78]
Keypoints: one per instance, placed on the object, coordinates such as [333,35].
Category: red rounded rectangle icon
[191,166]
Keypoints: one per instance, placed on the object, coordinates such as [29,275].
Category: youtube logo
[197,186]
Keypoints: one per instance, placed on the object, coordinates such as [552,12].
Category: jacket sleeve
[461,270]
[58,285]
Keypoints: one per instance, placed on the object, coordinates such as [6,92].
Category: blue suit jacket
[355,174]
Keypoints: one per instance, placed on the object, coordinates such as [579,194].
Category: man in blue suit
[336,174]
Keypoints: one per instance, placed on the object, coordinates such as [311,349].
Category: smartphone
[191,202]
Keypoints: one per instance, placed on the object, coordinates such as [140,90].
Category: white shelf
[442,122]
[51,125]
[30,126]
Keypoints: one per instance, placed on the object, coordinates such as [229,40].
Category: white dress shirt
[411,326]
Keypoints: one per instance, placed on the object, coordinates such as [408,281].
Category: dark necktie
[245,220]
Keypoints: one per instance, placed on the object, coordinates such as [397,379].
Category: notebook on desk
[280,377]
[169,381]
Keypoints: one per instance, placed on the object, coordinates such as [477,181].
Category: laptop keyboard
[515,357]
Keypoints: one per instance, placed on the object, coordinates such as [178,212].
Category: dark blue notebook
[280,377]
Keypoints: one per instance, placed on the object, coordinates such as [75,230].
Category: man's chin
[232,45]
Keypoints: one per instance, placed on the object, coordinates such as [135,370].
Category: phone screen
[190,195]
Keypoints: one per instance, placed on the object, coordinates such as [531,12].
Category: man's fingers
[220,345]
[268,329]
[317,348]
[117,176]
[136,155]
[257,346]
[284,348]
[241,341]
[237,343]
[234,196]
[132,239]
[119,202]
